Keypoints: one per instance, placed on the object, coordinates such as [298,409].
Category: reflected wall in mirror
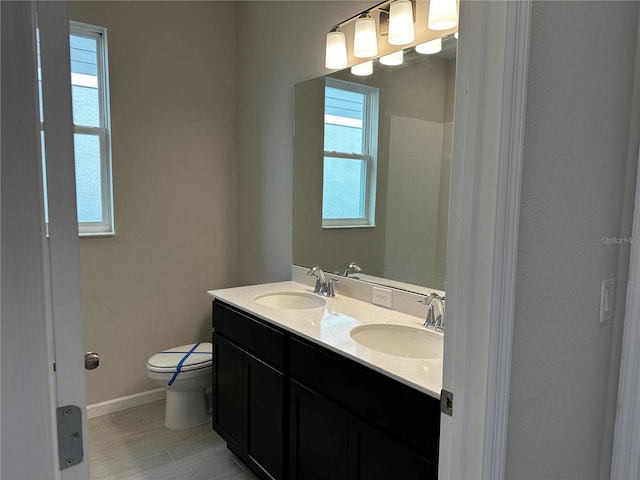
[406,241]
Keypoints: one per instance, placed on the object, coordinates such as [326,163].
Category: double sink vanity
[312,387]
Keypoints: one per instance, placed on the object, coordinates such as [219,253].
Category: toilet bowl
[185,372]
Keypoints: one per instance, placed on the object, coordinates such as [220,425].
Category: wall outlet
[382,297]
[606,300]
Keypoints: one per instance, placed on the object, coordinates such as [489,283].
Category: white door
[40,276]
[63,248]
[491,77]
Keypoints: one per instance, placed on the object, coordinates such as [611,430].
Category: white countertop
[330,325]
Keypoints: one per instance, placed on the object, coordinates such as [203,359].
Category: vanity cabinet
[323,433]
[248,390]
[388,429]
[292,409]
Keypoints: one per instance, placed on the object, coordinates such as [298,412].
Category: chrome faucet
[435,316]
[323,286]
[329,291]
[352,268]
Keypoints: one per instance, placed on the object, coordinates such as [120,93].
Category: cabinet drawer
[255,336]
[413,418]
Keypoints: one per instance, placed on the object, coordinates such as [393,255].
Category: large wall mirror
[372,157]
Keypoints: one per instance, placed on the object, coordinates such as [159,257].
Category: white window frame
[103,131]
[106,227]
[370,155]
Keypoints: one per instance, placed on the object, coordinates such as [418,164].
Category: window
[350,147]
[92,143]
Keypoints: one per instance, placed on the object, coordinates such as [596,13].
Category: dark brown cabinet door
[264,407]
[228,392]
[318,436]
[375,456]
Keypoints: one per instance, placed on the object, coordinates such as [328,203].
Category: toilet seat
[188,357]
[185,372]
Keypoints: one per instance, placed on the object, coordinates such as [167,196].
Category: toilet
[185,372]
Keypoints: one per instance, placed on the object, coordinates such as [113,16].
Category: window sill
[96,234]
[331,227]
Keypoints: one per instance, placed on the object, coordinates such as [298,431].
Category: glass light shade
[336,52]
[443,14]
[455,35]
[393,59]
[400,22]
[363,69]
[365,41]
[430,47]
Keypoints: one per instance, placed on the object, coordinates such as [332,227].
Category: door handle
[91,360]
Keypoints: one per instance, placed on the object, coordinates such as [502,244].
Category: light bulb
[430,47]
[363,69]
[336,52]
[365,41]
[393,59]
[443,14]
[401,22]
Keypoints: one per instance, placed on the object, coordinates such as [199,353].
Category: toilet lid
[168,360]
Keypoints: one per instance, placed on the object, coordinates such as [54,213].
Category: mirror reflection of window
[350,147]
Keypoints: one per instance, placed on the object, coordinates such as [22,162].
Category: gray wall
[575,161]
[173,136]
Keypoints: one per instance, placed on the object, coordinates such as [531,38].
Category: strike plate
[70,451]
[446,402]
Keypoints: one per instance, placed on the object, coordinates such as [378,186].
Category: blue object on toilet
[181,362]
[192,357]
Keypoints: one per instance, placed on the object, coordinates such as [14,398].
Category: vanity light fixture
[401,22]
[336,50]
[430,47]
[365,40]
[395,20]
[443,14]
[393,59]
[363,69]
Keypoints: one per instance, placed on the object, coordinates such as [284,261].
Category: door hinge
[446,402]
[70,450]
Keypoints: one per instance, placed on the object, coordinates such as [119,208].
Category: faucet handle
[352,268]
[435,319]
[430,320]
[426,300]
[330,292]
[320,279]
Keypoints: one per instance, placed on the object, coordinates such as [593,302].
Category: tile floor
[134,444]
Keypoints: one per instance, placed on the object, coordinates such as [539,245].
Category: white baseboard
[122,403]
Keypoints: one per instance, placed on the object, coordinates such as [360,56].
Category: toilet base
[185,409]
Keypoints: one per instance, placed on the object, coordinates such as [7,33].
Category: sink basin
[290,300]
[399,340]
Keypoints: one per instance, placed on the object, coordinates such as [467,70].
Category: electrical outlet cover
[382,297]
